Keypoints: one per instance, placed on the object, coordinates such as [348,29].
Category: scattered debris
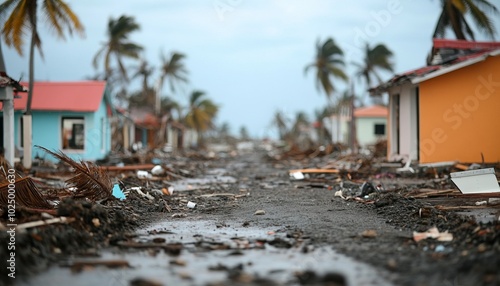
[260,212]
[369,233]
[434,234]
[476,181]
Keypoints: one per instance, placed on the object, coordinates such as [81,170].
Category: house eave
[454,67]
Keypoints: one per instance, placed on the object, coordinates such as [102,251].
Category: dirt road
[254,226]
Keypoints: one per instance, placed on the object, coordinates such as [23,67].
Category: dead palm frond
[90,181]
[18,191]
[24,193]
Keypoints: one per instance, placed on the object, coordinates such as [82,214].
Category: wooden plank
[128,167]
[308,171]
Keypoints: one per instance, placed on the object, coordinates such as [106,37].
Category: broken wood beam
[308,171]
[128,167]
[45,222]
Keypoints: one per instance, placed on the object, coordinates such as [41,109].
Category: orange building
[448,110]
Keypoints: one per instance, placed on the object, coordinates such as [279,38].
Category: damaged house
[447,110]
[70,116]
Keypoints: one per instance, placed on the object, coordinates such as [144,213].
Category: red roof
[371,111]
[79,96]
[464,44]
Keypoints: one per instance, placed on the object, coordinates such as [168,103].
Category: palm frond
[90,181]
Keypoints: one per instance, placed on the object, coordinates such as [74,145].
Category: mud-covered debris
[78,266]
[260,212]
[369,233]
[309,277]
[144,282]
[433,233]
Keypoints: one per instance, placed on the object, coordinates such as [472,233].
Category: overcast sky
[247,55]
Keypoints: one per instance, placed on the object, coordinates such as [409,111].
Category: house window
[73,133]
[379,129]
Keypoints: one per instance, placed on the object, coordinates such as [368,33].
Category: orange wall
[460,114]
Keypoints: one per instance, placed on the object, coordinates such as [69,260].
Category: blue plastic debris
[117,192]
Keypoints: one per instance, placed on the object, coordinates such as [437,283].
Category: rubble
[98,207]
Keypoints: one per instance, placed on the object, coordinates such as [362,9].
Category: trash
[144,195]
[117,192]
[168,191]
[260,212]
[481,203]
[367,188]
[297,175]
[143,174]
[179,215]
[157,170]
[191,205]
[369,233]
[406,167]
[439,248]
[476,181]
[339,194]
[432,233]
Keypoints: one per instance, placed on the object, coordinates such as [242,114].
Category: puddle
[202,183]
[277,264]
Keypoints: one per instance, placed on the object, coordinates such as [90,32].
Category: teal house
[74,117]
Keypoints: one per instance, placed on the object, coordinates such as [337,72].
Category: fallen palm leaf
[91,181]
[24,193]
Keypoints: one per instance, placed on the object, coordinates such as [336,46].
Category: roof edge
[454,67]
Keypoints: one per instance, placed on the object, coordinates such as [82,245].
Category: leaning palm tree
[376,59]
[118,45]
[454,15]
[281,123]
[329,63]
[173,70]
[22,19]
[201,113]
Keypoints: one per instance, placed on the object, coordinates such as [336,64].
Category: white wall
[365,130]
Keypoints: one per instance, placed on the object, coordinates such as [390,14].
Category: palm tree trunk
[27,119]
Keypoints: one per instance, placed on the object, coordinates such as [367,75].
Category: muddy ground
[253,225]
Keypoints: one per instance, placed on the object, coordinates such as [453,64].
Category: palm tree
[376,58]
[147,94]
[172,69]
[281,122]
[22,19]
[118,45]
[321,130]
[169,105]
[453,15]
[328,63]
[201,113]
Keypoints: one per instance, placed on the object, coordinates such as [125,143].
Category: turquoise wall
[47,133]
